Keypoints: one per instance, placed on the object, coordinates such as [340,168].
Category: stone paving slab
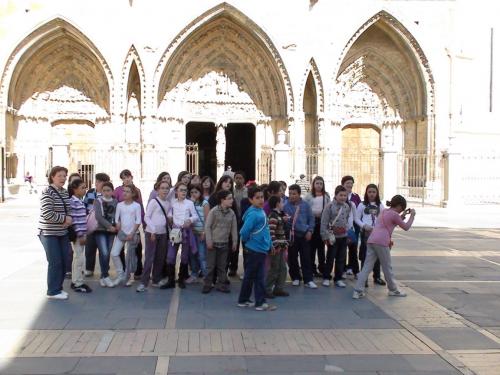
[459,338]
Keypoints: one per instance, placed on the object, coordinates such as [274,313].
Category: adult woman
[318,199]
[55,218]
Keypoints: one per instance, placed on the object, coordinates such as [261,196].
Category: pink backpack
[92,221]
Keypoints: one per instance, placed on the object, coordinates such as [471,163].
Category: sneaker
[349,272]
[296,282]
[242,276]
[326,282]
[68,275]
[141,288]
[344,276]
[119,280]
[84,288]
[88,273]
[397,293]
[102,283]
[163,282]
[64,293]
[130,281]
[280,293]
[206,289]
[266,307]
[191,280]
[340,284]
[311,285]
[357,295]
[108,282]
[379,282]
[246,304]
[59,296]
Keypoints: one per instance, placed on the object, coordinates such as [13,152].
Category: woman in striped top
[76,190]
[55,218]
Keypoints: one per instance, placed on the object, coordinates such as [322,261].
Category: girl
[198,261]
[105,210]
[208,186]
[354,199]
[128,220]
[181,216]
[162,177]
[76,190]
[184,177]
[156,237]
[380,243]
[224,183]
[276,276]
[195,180]
[318,198]
[55,219]
[335,222]
[366,216]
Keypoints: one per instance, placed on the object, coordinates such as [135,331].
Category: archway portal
[240,148]
[361,155]
[203,134]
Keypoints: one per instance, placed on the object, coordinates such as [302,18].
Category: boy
[220,224]
[257,239]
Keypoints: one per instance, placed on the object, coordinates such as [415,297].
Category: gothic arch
[132,59]
[240,54]
[312,68]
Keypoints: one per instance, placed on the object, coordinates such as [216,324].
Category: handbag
[175,234]
[71,230]
[331,235]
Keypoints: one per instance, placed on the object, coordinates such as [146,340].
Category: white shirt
[154,217]
[182,211]
[128,215]
[367,217]
[317,205]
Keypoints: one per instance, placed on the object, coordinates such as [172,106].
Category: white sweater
[154,217]
[182,211]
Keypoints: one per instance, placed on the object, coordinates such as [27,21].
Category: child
[380,243]
[105,210]
[220,224]
[276,275]
[366,217]
[128,220]
[181,216]
[352,267]
[76,191]
[198,261]
[336,220]
[156,236]
[257,239]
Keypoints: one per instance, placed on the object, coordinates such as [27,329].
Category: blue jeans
[198,261]
[254,276]
[104,243]
[56,250]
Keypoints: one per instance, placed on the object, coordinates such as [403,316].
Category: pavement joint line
[489,261]
[173,310]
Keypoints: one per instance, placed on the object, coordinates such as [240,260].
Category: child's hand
[187,224]
[210,246]
[308,236]
[67,221]
[129,237]
[153,237]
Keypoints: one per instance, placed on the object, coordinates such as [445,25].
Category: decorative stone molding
[132,56]
[313,68]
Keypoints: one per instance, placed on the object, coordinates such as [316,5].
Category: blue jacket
[255,231]
[305,219]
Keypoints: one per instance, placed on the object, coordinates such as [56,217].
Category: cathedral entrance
[203,134]
[240,148]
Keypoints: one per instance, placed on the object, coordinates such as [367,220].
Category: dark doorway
[240,148]
[203,133]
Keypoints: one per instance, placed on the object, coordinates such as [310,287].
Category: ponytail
[397,200]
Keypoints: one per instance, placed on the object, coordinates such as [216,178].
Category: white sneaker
[311,285]
[266,307]
[242,276]
[141,288]
[246,304]
[296,282]
[119,280]
[64,293]
[357,295]
[163,282]
[102,283]
[108,282]
[191,280]
[59,296]
[397,293]
[340,284]
[349,272]
[130,281]
[326,282]
[88,273]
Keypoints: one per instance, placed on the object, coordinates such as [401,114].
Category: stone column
[282,153]
[220,150]
[453,178]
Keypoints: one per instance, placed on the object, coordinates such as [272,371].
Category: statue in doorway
[221,145]
[229,172]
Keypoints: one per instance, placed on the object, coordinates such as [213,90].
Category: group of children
[207,222]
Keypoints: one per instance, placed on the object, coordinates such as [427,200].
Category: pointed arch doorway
[240,148]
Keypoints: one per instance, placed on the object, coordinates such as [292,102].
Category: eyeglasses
[182,190]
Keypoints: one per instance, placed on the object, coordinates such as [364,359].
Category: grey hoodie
[330,212]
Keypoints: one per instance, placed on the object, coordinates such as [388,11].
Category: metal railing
[192,158]
[365,167]
[480,177]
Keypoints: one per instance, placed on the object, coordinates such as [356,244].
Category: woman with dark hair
[208,187]
[162,177]
[379,245]
[55,219]
[224,183]
[318,199]
[366,217]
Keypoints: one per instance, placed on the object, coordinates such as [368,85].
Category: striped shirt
[52,212]
[79,216]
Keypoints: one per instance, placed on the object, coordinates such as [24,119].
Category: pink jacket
[387,220]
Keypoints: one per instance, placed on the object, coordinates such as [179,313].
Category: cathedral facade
[381,90]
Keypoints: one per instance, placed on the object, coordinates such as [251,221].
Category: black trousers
[362,255]
[300,247]
[336,253]
[353,262]
[317,247]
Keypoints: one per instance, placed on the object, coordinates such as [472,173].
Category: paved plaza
[448,324]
